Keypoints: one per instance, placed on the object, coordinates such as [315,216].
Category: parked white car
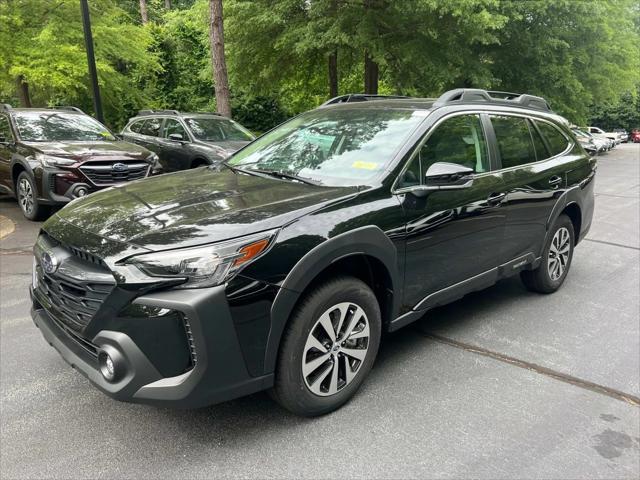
[598,132]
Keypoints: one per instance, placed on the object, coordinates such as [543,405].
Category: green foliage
[625,113]
[580,55]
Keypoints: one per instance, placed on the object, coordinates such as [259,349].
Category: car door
[6,152]
[174,154]
[452,234]
[533,171]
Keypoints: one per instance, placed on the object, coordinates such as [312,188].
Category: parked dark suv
[186,140]
[281,268]
[52,156]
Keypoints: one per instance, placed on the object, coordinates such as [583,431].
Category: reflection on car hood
[86,150]
[230,146]
[194,207]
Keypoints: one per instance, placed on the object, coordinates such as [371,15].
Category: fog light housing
[110,364]
[81,192]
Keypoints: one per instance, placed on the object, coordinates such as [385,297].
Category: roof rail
[359,97]
[474,95]
[5,107]
[155,112]
[66,107]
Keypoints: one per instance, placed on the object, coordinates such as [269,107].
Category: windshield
[337,147]
[56,126]
[214,129]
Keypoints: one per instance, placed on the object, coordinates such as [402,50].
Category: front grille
[83,343]
[76,302]
[103,173]
[87,257]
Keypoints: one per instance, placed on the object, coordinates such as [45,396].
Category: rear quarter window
[556,140]
[135,127]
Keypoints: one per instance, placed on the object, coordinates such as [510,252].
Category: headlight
[205,266]
[51,161]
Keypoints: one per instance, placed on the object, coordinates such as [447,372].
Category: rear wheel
[556,259]
[328,348]
[27,195]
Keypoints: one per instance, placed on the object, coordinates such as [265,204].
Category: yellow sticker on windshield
[365,165]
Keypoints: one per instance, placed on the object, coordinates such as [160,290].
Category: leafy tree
[42,44]
[574,53]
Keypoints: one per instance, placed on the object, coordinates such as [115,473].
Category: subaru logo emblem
[49,262]
[119,167]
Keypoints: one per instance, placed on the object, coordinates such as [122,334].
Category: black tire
[27,195]
[546,279]
[290,389]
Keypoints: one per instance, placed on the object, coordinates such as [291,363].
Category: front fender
[369,240]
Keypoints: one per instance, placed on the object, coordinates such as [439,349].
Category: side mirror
[176,137]
[447,176]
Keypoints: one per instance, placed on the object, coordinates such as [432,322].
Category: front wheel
[556,259]
[27,195]
[328,348]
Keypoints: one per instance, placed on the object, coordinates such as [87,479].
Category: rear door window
[541,149]
[557,142]
[514,140]
[151,127]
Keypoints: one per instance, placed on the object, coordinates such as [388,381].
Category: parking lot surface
[501,384]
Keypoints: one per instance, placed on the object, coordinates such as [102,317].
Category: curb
[6,226]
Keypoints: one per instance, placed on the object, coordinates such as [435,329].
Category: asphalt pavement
[501,384]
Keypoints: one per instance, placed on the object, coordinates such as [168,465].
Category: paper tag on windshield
[364,165]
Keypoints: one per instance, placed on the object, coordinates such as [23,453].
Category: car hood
[192,207]
[230,146]
[89,150]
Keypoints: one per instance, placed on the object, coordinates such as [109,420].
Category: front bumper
[220,373]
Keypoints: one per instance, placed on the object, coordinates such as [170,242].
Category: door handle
[555,181]
[496,198]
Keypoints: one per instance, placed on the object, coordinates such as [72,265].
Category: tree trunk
[167,4]
[23,92]
[143,11]
[333,74]
[370,75]
[216,38]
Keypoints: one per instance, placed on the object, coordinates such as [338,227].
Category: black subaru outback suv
[280,269]
[54,155]
[186,140]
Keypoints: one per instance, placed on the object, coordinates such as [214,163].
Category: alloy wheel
[25,196]
[559,253]
[336,348]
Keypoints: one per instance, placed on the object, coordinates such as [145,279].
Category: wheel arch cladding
[573,211]
[366,253]
[16,170]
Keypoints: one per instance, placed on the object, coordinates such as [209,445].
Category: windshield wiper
[288,176]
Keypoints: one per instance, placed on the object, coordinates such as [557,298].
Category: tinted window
[46,126]
[136,126]
[5,130]
[538,143]
[514,140]
[151,127]
[334,146]
[172,126]
[557,141]
[216,129]
[458,140]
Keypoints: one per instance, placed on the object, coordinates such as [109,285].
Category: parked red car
[635,136]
